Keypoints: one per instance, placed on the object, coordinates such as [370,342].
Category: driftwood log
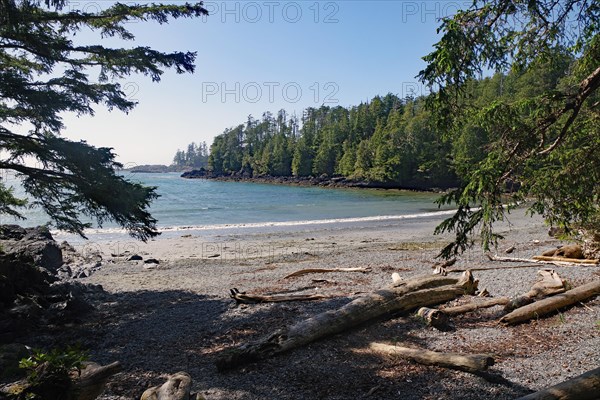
[90,384]
[177,387]
[436,318]
[244,298]
[444,271]
[408,295]
[463,362]
[567,262]
[565,259]
[324,270]
[583,387]
[465,308]
[548,283]
[440,319]
[552,304]
[569,251]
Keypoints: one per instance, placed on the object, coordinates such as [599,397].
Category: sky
[257,56]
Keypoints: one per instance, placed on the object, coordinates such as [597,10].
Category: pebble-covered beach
[158,319]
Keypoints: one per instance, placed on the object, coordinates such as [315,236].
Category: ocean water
[198,205]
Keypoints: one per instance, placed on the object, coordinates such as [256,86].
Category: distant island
[155,168]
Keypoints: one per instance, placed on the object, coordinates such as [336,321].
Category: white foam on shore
[257,225]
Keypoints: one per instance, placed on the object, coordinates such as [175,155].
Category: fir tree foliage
[44,74]
[534,126]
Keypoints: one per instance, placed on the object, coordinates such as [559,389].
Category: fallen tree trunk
[551,304]
[569,263]
[465,308]
[463,362]
[243,298]
[583,387]
[548,283]
[323,270]
[408,295]
[564,259]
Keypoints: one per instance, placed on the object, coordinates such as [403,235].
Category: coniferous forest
[388,140]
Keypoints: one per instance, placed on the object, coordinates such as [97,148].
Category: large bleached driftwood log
[552,304]
[244,298]
[569,251]
[463,362]
[583,387]
[405,296]
[548,283]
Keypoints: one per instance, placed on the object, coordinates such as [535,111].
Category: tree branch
[587,87]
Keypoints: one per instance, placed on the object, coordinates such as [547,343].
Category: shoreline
[236,242]
[337,182]
[169,232]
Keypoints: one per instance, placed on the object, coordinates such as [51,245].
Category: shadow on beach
[154,333]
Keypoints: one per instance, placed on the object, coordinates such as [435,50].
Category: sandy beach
[158,319]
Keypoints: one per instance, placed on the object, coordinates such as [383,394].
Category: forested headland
[388,140]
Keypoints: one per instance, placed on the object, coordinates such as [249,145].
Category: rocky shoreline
[321,181]
[36,281]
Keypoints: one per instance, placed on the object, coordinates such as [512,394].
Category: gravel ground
[177,316]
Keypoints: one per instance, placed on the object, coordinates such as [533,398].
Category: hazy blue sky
[259,56]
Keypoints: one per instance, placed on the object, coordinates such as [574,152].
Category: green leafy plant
[49,374]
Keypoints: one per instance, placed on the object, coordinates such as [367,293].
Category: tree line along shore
[387,142]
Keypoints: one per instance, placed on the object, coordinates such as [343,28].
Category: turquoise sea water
[205,205]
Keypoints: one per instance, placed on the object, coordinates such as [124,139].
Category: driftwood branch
[408,295]
[442,271]
[552,304]
[583,387]
[567,260]
[465,308]
[244,298]
[570,263]
[324,270]
[463,362]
